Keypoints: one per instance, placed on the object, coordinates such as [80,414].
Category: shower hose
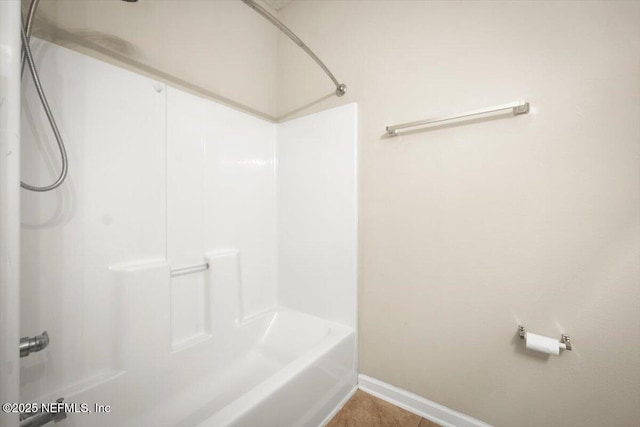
[26,34]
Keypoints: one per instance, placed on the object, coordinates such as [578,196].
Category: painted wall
[467,231]
[219,49]
[9,206]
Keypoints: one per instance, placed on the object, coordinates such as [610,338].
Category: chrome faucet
[38,419]
[32,344]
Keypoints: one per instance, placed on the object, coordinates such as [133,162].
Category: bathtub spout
[38,419]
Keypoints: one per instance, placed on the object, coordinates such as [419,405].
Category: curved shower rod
[341,88]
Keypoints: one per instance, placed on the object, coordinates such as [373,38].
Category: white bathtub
[308,368]
[219,187]
[280,368]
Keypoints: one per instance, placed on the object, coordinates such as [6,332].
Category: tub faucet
[32,344]
[38,419]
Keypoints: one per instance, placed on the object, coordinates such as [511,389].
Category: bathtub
[280,368]
[152,348]
[308,369]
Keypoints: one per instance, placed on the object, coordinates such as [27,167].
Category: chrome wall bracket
[522,332]
[30,345]
[521,108]
[566,340]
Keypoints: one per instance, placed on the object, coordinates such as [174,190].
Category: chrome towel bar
[518,107]
[188,270]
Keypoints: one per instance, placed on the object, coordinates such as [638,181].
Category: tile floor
[365,410]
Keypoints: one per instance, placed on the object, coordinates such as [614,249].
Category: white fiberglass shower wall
[159,180]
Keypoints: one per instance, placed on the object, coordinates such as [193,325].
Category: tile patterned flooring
[365,410]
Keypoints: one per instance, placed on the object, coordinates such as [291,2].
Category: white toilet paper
[543,344]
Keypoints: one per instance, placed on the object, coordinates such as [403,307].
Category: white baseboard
[340,405]
[417,404]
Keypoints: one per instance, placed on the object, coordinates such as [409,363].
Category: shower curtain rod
[341,88]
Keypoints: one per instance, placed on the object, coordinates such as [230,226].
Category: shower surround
[159,180]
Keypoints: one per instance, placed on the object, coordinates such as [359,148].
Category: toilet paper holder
[564,338]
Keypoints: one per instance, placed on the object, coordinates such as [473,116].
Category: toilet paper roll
[543,344]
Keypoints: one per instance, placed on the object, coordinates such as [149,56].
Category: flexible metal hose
[26,30]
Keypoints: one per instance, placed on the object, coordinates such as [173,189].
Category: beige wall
[221,49]
[467,231]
